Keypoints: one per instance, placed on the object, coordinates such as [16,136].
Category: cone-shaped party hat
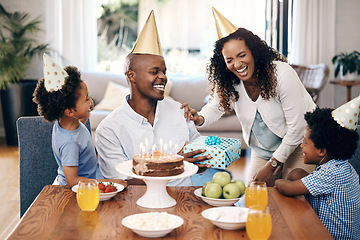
[148,40]
[54,75]
[347,115]
[223,26]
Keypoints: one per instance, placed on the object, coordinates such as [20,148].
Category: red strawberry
[101,186]
[109,188]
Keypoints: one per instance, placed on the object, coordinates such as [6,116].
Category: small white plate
[178,221]
[104,196]
[217,202]
[230,218]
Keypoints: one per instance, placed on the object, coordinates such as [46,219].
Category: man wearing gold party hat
[333,189]
[145,116]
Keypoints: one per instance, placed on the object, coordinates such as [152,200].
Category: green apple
[213,190]
[203,188]
[231,190]
[241,184]
[222,178]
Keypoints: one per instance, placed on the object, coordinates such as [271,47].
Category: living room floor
[10,190]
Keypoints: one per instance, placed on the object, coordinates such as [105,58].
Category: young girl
[333,189]
[62,97]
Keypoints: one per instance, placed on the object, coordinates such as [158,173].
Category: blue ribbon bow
[212,140]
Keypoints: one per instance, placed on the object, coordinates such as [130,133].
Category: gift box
[223,151]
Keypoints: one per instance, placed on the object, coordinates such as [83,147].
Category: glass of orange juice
[258,224]
[256,194]
[88,195]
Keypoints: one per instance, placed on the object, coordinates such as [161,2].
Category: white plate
[230,218]
[104,196]
[178,221]
[217,202]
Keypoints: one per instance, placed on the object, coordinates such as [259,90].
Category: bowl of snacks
[152,224]
[107,189]
[221,191]
[230,218]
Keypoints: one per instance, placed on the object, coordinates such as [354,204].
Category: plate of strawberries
[107,189]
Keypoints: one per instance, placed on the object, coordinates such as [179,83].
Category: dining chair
[314,78]
[38,166]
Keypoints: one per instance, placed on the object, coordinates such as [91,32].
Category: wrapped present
[223,151]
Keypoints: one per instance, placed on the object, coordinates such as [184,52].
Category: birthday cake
[158,164]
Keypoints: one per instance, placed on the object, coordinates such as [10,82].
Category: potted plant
[348,64]
[17,49]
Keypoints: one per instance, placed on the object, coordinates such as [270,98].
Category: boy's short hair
[52,105]
[339,142]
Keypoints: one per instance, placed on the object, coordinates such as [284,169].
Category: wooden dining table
[55,214]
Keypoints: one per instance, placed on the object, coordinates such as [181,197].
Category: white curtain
[313,39]
[71,30]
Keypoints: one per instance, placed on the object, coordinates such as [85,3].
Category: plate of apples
[221,191]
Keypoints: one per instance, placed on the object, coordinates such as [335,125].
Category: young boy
[333,189]
[62,97]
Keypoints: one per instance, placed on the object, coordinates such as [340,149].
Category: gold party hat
[223,26]
[347,115]
[54,75]
[148,40]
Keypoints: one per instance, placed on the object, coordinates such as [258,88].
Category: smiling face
[147,75]
[311,154]
[239,59]
[84,104]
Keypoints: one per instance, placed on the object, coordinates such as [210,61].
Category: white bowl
[217,202]
[178,221]
[230,218]
[104,196]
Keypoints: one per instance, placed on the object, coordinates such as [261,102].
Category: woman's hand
[191,114]
[264,173]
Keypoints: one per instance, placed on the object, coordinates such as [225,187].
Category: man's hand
[191,114]
[189,156]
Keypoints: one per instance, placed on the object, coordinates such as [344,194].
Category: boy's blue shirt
[335,196]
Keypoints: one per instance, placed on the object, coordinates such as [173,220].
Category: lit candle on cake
[153,148]
[147,145]
[165,149]
[161,145]
[170,147]
[176,148]
[141,149]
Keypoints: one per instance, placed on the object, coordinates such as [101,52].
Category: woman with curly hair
[254,80]
[63,97]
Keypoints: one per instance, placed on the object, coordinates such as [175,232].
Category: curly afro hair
[52,105]
[339,142]
[223,80]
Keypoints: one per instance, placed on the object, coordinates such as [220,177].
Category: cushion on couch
[114,96]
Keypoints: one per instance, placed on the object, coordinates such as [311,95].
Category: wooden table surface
[56,215]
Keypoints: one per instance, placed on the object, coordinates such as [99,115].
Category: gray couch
[185,88]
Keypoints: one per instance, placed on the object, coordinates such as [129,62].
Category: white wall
[347,38]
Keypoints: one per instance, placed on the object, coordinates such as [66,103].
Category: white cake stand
[156,195]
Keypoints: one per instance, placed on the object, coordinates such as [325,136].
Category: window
[278,29]
[186,29]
